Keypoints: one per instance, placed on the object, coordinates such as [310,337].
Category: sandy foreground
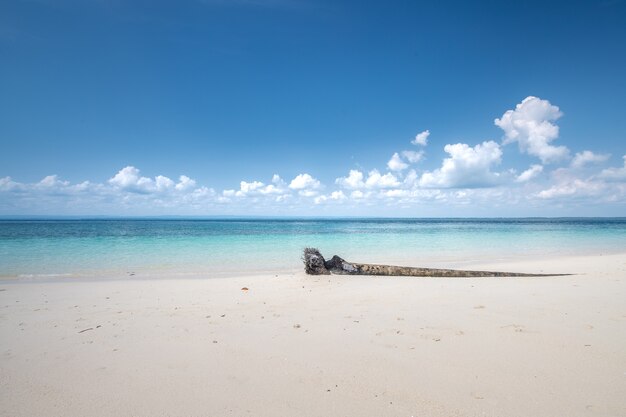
[294,345]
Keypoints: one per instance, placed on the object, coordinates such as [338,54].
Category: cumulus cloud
[354,180]
[334,196]
[467,176]
[410,179]
[531,126]
[396,163]
[52,181]
[397,193]
[587,157]
[256,188]
[399,163]
[163,183]
[127,191]
[7,184]
[185,183]
[337,195]
[278,186]
[614,174]
[413,156]
[247,187]
[466,167]
[129,179]
[304,181]
[569,184]
[376,180]
[421,138]
[530,173]
[572,187]
[308,193]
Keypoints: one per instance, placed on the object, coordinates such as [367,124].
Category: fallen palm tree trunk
[315,264]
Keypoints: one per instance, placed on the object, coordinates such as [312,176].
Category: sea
[42,248]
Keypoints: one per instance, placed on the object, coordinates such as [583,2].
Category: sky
[313,108]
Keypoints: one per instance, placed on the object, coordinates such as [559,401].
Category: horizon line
[285,217]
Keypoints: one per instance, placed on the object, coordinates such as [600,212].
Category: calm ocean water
[118,247]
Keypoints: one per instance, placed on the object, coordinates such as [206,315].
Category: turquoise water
[96,247]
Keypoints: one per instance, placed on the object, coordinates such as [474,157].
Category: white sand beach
[297,345]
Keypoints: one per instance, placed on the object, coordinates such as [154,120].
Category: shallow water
[33,248]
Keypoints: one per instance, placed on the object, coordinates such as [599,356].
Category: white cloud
[571,188]
[337,195]
[256,188]
[247,187]
[203,192]
[397,193]
[85,186]
[185,183]
[614,174]
[530,173]
[466,178]
[568,185]
[278,186]
[530,125]
[163,183]
[52,181]
[276,179]
[307,193]
[126,192]
[376,180]
[7,184]
[421,138]
[128,179]
[354,180]
[466,167]
[396,163]
[587,157]
[272,189]
[410,179]
[413,156]
[304,181]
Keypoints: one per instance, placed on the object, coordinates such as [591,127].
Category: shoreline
[480,264]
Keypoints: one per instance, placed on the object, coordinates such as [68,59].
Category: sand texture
[297,345]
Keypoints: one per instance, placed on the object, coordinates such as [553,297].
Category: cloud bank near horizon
[471,175]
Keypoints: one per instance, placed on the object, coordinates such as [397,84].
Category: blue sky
[96,95]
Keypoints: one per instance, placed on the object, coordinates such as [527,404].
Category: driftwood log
[315,264]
